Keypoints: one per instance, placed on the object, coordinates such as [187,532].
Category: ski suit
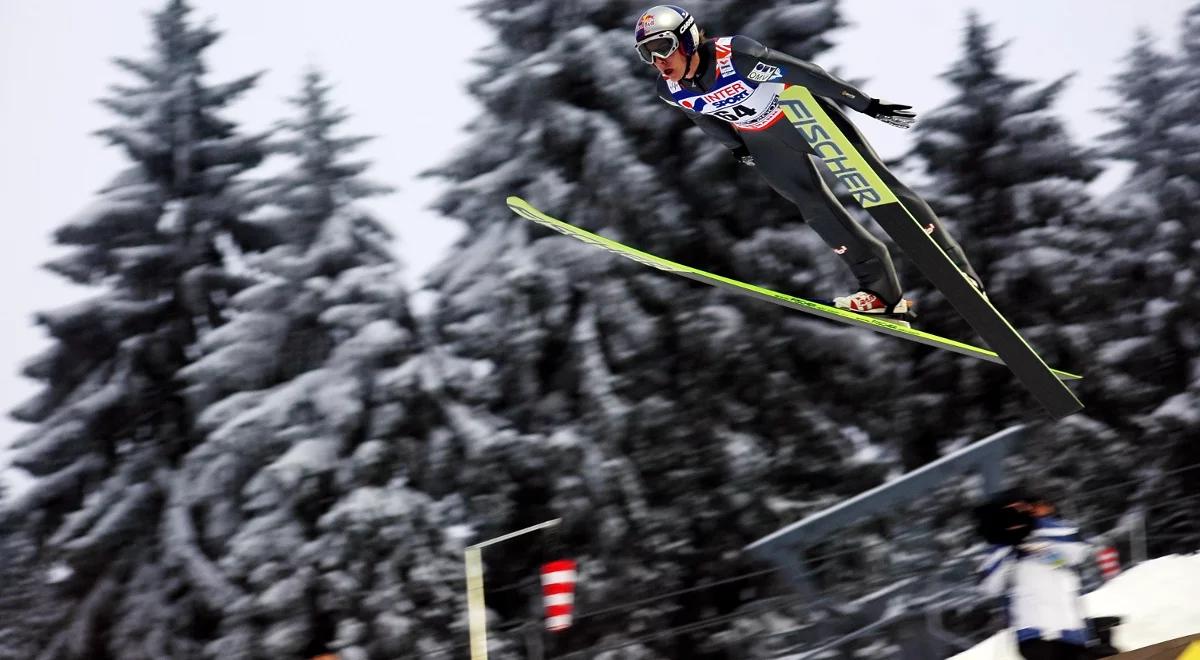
[734,97]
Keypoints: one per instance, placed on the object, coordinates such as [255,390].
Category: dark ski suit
[734,97]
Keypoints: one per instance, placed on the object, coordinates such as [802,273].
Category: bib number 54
[735,113]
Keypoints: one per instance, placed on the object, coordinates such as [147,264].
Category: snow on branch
[180,539]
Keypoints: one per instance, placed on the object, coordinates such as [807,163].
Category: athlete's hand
[900,116]
[742,154]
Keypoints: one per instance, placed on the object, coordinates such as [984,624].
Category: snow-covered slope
[1157,600]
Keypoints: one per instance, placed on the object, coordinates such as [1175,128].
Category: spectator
[1033,563]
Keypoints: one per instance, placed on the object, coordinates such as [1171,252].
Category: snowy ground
[1157,599]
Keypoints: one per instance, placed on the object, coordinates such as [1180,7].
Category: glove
[742,154]
[900,116]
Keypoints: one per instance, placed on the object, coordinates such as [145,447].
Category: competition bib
[743,102]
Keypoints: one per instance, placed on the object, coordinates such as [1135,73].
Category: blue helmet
[663,29]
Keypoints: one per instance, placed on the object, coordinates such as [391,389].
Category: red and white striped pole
[558,592]
[476,609]
[1109,561]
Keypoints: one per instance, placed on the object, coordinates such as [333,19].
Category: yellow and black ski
[525,210]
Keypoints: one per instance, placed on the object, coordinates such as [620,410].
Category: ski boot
[867,303]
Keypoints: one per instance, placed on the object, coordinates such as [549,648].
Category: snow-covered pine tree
[110,422]
[1147,254]
[1012,186]
[666,422]
[1000,160]
[27,609]
[1008,175]
[1099,285]
[1151,355]
[274,332]
[307,497]
[1140,136]
[1182,196]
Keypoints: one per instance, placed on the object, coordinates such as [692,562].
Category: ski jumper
[734,97]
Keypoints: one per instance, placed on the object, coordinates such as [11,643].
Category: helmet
[663,29]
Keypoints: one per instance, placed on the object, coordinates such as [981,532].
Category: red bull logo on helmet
[643,26]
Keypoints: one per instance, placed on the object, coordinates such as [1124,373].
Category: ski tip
[1066,375]
[1063,413]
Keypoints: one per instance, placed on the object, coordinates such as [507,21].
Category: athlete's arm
[718,129]
[761,64]
[751,57]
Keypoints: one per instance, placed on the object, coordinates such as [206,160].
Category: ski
[830,145]
[527,211]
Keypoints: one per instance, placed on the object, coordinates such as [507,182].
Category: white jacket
[1041,582]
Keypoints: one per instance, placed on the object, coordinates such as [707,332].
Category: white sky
[55,61]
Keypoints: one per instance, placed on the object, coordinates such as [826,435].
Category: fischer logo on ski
[864,185]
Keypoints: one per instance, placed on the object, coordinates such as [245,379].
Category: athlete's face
[673,66]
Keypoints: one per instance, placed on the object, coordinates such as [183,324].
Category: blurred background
[275,352]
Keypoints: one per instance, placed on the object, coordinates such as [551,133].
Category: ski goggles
[661,45]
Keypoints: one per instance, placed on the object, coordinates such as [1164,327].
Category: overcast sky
[55,61]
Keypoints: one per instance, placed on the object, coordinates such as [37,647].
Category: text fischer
[829,151]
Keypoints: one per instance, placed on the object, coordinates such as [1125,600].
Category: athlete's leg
[794,176]
[911,201]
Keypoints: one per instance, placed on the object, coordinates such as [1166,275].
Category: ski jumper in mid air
[730,87]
